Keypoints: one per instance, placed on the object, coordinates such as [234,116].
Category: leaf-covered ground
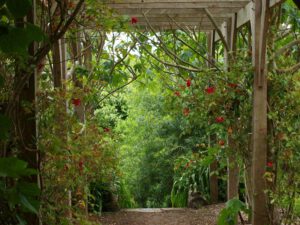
[204,216]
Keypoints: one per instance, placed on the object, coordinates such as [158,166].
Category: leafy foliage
[20,195]
[229,214]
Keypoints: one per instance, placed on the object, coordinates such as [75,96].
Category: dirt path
[204,216]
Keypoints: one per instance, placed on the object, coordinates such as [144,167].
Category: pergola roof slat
[190,13]
[180,5]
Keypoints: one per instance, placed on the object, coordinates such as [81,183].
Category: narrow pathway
[203,216]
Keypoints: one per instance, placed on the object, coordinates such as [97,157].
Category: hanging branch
[163,62]
[43,51]
[122,59]
[135,76]
[197,52]
[166,50]
[196,41]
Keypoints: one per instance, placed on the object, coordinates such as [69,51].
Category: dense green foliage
[138,122]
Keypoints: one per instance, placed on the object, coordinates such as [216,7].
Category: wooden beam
[176,11]
[260,25]
[173,4]
[244,14]
[166,19]
[169,23]
[176,27]
[215,2]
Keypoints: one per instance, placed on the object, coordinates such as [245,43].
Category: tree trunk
[26,120]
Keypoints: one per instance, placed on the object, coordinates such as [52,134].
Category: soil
[204,216]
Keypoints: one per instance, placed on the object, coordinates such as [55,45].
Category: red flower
[188,82]
[210,90]
[270,164]
[76,101]
[221,142]
[232,85]
[66,168]
[80,164]
[177,93]
[106,129]
[220,119]
[186,111]
[40,66]
[134,20]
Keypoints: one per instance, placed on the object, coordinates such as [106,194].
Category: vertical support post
[260,24]
[211,51]
[232,165]
[213,181]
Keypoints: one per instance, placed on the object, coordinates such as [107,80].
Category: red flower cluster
[134,20]
[186,111]
[232,85]
[177,93]
[220,119]
[80,164]
[188,82]
[106,130]
[221,142]
[210,90]
[66,167]
[76,101]
[270,164]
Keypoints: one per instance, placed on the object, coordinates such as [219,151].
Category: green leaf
[20,220]
[17,40]
[14,41]
[18,8]
[27,204]
[2,2]
[28,189]
[34,33]
[5,125]
[13,167]
[225,218]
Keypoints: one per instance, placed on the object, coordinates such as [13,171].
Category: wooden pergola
[220,19]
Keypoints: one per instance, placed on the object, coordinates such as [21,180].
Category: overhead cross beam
[191,13]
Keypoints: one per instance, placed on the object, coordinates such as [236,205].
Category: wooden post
[232,165]
[213,179]
[259,23]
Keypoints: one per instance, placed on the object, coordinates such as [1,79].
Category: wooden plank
[176,11]
[175,1]
[165,18]
[244,14]
[194,23]
[175,27]
[178,5]
[195,16]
